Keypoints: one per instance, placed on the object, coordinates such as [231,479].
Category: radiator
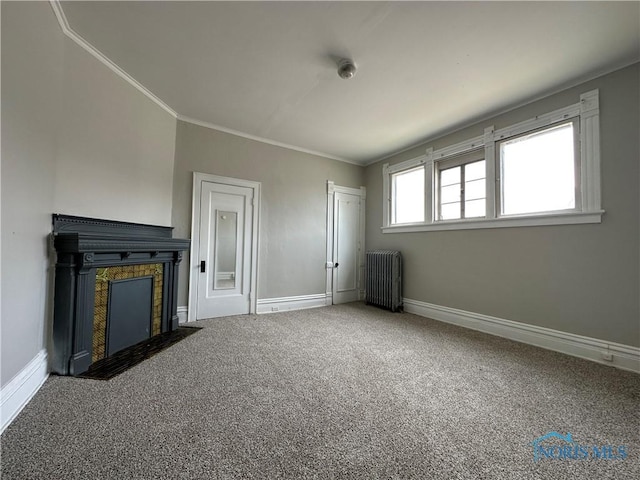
[383,271]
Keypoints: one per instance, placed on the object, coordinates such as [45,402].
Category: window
[538,171]
[408,196]
[461,187]
[543,171]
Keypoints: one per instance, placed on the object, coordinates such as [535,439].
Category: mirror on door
[226,242]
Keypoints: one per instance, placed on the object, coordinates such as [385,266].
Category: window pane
[449,176]
[474,208]
[474,189]
[474,171]
[450,194]
[408,196]
[538,171]
[450,211]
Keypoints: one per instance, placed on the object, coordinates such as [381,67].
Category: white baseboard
[15,395]
[272,305]
[300,302]
[183,314]
[621,356]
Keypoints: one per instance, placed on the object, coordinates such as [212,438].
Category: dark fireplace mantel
[88,249]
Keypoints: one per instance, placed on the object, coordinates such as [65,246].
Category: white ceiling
[268,69]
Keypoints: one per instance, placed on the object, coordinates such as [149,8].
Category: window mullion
[462,190]
[577,164]
[429,193]
[386,193]
[439,200]
[490,172]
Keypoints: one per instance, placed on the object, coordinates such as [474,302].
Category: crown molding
[275,143]
[491,115]
[68,31]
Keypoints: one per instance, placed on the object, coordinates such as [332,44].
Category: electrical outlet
[608,356]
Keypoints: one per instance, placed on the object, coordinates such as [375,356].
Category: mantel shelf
[98,243]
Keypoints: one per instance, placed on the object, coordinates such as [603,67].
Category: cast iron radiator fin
[383,272]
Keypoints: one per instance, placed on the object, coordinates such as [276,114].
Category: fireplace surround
[115,286]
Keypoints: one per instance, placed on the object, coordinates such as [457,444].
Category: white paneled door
[225,252]
[347,241]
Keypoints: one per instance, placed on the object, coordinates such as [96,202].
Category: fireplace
[115,286]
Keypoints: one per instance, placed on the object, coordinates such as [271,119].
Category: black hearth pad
[129,357]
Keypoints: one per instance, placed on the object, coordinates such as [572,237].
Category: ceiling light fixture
[346,69]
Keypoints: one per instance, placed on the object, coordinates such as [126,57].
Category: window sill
[572,218]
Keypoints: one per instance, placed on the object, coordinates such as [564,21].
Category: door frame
[332,188]
[194,264]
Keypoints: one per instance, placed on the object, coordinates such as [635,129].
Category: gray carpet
[339,392]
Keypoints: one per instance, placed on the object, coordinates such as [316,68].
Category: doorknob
[203,266]
[336,265]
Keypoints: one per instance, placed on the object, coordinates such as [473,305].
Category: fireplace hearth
[115,286]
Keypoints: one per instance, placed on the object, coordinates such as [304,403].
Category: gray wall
[294,204]
[581,279]
[115,147]
[32,51]
[76,139]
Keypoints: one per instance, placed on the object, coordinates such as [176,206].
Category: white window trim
[587,110]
